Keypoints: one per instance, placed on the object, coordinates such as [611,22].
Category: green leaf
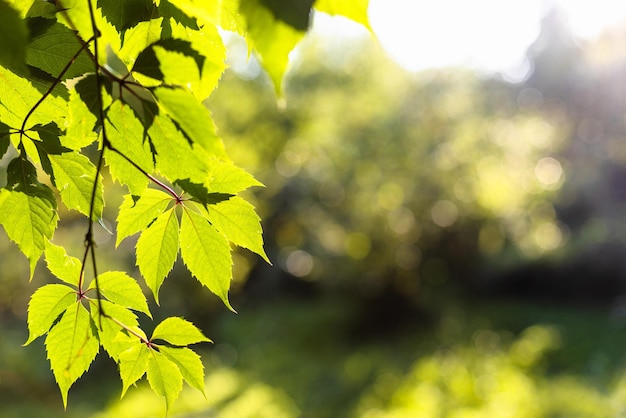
[192,117]
[126,14]
[213,64]
[164,377]
[64,267]
[222,13]
[82,111]
[14,37]
[110,333]
[17,97]
[133,364]
[178,331]
[71,346]
[29,219]
[294,13]
[52,46]
[74,177]
[237,220]
[122,290]
[175,157]
[355,10]
[201,194]
[206,254]
[136,214]
[137,38]
[272,38]
[157,250]
[45,306]
[225,177]
[125,133]
[188,363]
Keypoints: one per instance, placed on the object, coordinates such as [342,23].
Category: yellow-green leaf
[136,214]
[64,267]
[164,377]
[157,250]
[133,364]
[74,177]
[206,253]
[188,363]
[123,290]
[45,306]
[178,331]
[71,346]
[237,220]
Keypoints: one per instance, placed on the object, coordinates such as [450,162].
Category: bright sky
[490,35]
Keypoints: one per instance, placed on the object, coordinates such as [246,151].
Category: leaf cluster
[126,80]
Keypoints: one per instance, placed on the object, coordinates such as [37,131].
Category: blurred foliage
[376,177]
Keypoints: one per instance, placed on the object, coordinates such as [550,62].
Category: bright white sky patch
[488,35]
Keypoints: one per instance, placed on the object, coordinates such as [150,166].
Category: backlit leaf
[29,220]
[164,377]
[157,250]
[237,220]
[178,331]
[71,346]
[64,267]
[188,363]
[133,364]
[225,177]
[45,306]
[126,14]
[51,47]
[206,253]
[192,117]
[17,97]
[109,328]
[273,39]
[123,290]
[125,132]
[74,176]
[355,10]
[136,215]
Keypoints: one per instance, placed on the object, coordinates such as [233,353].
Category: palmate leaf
[45,306]
[164,377]
[237,220]
[64,267]
[81,121]
[136,214]
[74,176]
[178,331]
[71,345]
[157,250]
[123,290]
[188,363]
[206,253]
[138,37]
